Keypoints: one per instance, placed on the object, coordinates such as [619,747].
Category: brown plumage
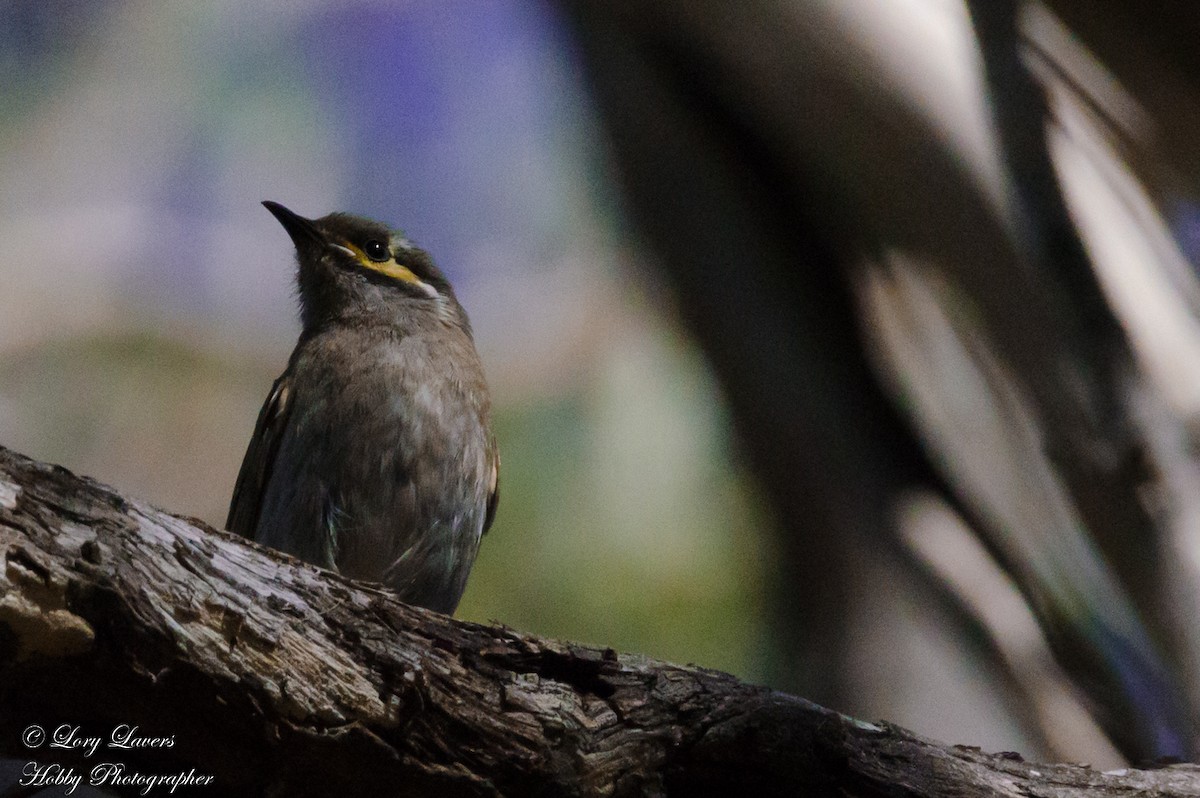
[373,453]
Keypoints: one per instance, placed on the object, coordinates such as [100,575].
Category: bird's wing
[493,498]
[260,457]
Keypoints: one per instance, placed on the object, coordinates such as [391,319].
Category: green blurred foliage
[625,520]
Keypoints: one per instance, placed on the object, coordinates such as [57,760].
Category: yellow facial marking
[389,267]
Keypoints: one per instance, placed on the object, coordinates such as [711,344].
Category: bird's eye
[377,251]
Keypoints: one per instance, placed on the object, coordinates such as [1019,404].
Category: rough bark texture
[280,679]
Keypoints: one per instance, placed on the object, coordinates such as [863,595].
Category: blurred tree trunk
[835,254]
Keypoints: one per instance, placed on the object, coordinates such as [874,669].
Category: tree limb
[277,678]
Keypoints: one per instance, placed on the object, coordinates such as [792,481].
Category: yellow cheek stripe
[389,267]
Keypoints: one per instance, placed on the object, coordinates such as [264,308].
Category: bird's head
[355,268]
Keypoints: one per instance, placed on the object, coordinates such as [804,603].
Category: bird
[373,454]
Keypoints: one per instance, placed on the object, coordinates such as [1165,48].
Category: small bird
[373,454]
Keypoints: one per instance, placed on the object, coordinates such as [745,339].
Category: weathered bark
[277,678]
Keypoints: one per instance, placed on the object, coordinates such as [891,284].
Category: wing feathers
[260,458]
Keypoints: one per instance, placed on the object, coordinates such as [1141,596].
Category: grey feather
[373,453]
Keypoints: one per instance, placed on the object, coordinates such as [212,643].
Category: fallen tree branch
[269,677]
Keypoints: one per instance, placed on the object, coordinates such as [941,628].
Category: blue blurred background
[147,302]
[146,299]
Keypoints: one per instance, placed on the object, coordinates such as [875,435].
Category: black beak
[302,231]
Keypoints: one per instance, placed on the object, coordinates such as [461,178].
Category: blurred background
[847,346]
[147,299]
